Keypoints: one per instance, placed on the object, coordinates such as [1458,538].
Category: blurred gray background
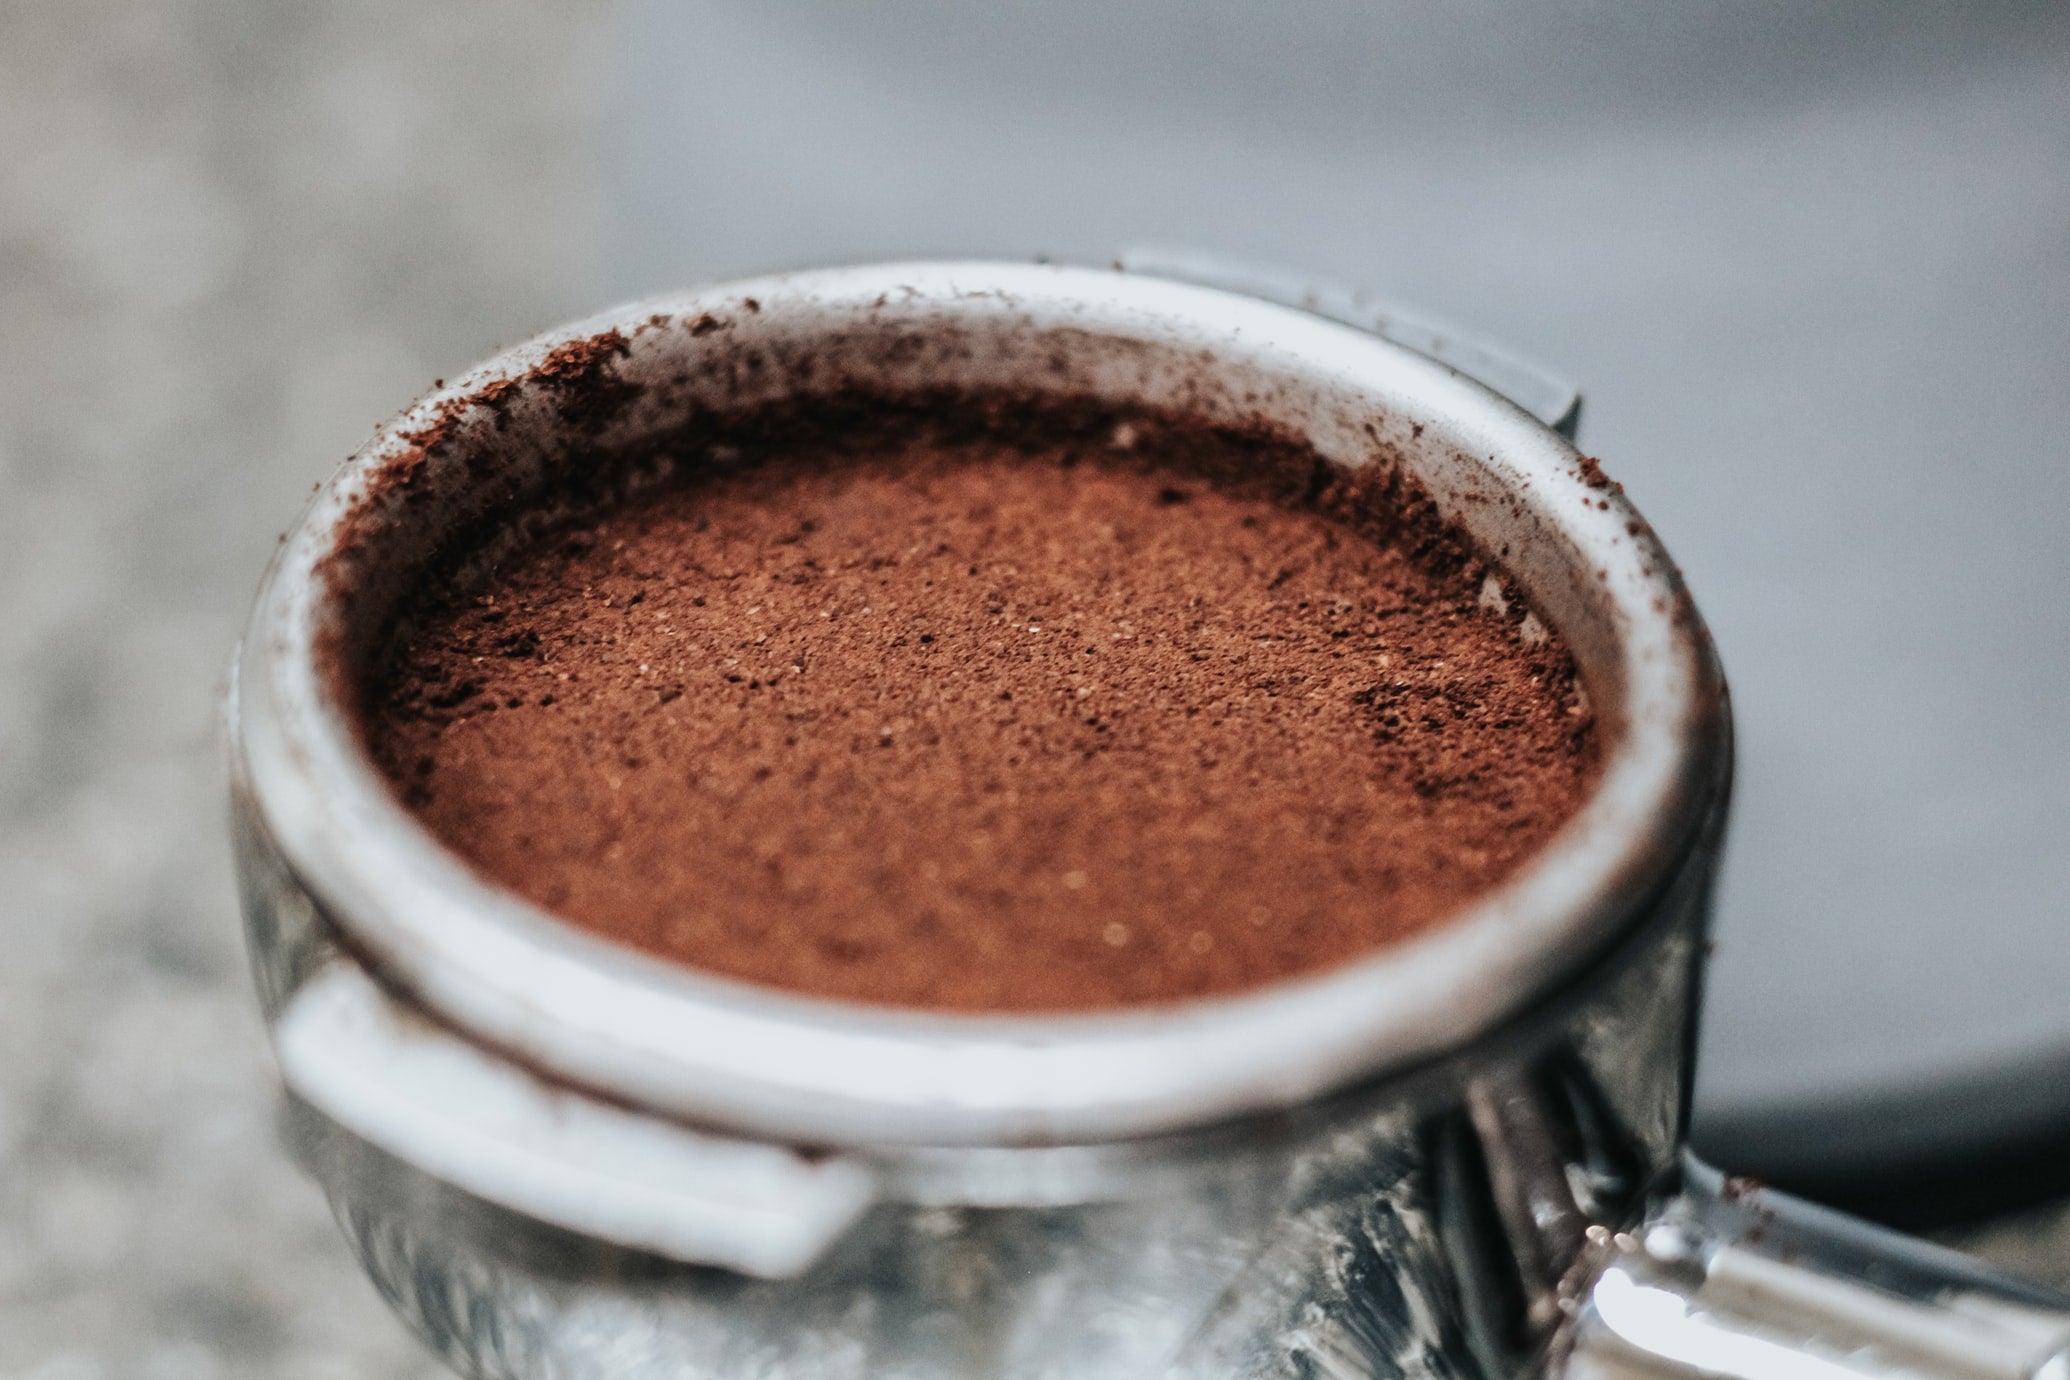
[1811,263]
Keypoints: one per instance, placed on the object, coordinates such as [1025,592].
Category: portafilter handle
[1725,1279]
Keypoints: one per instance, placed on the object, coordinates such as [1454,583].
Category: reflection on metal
[1728,1280]
[1658,1323]
[1410,1229]
[506,1135]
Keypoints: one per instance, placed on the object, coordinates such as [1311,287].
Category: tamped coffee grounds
[986,708]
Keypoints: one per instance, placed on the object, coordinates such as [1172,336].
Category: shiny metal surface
[1724,1278]
[1397,1229]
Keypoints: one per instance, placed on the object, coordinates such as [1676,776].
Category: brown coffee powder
[990,718]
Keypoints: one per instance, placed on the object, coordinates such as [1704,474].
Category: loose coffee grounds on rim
[987,707]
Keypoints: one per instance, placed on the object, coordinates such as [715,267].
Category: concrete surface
[232,238]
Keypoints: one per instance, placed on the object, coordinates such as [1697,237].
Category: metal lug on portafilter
[1526,1172]
[1531,386]
[1531,1191]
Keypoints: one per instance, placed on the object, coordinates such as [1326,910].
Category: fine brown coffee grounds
[989,718]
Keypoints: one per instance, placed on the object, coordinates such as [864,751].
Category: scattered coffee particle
[1188,716]
[1593,476]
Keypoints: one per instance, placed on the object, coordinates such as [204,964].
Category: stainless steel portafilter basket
[1460,1157]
